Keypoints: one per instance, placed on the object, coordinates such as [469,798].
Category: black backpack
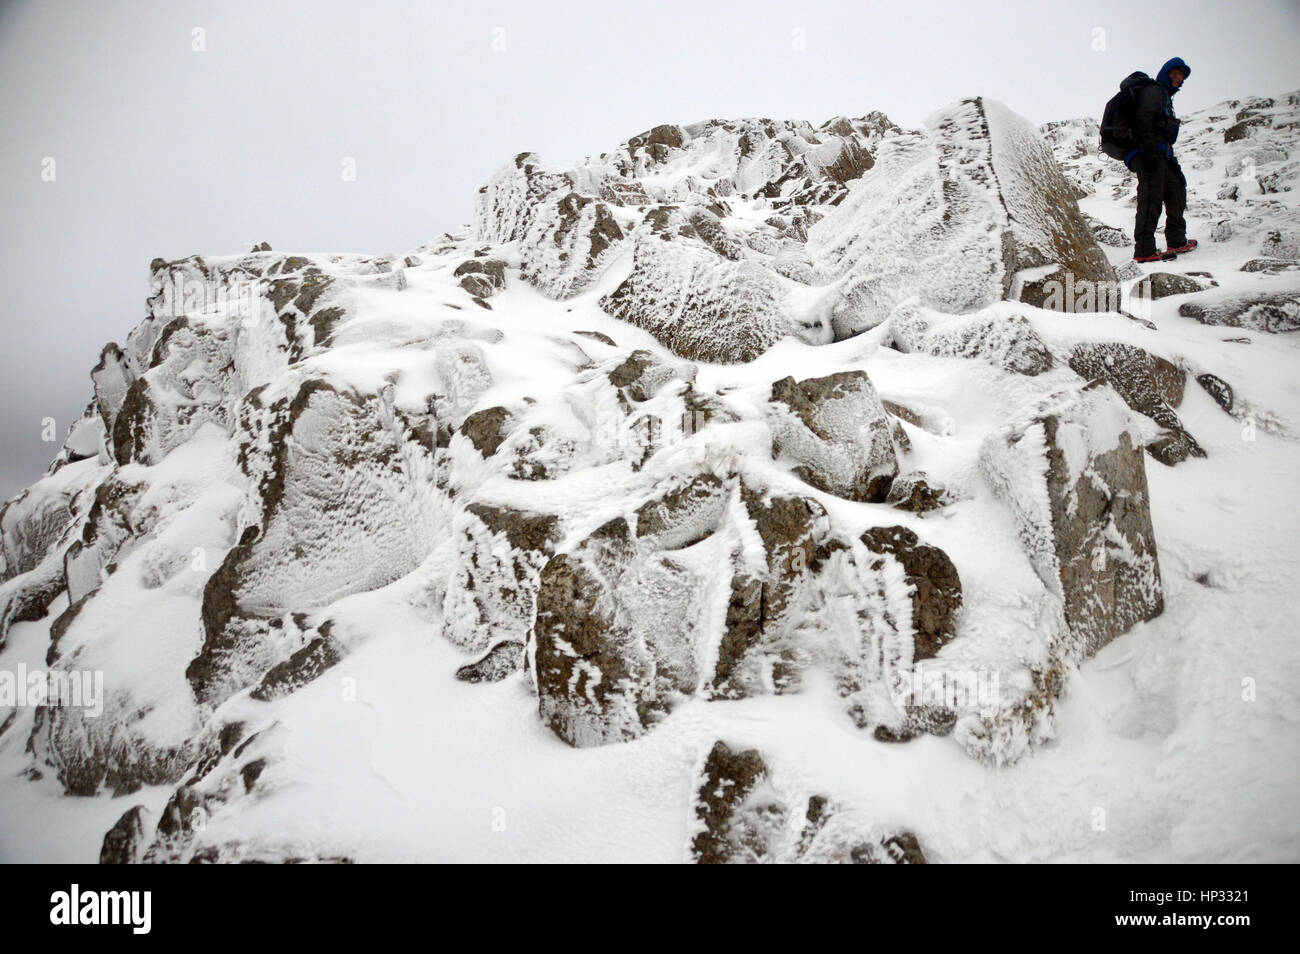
[1117,139]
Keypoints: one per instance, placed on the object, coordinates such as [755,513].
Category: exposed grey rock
[481,277]
[1217,388]
[1271,266]
[1164,284]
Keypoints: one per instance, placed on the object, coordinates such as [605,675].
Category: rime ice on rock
[705,279]
[1076,482]
[951,216]
[835,431]
[1005,341]
[693,596]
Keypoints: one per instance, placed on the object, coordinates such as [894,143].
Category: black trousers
[1165,186]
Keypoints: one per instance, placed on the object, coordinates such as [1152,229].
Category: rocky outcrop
[316,538]
[699,305]
[125,841]
[491,596]
[481,277]
[918,493]
[569,243]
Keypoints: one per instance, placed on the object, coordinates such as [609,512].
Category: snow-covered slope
[723,497]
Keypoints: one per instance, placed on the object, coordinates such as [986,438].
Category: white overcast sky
[162,150]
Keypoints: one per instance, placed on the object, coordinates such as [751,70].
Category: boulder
[1271,266]
[316,537]
[1164,284]
[481,277]
[696,595]
[918,493]
[880,605]
[506,205]
[1281,244]
[1218,389]
[1147,383]
[934,582]
[568,245]
[125,841]
[1076,484]
[502,660]
[835,431]
[699,305]
[1008,342]
[492,592]
[1274,312]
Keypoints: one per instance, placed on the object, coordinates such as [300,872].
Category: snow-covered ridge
[741,452]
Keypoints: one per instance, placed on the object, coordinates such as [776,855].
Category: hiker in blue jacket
[1160,179]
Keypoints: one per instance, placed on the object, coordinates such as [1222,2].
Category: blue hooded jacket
[1162,78]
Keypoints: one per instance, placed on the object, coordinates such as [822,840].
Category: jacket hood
[1175,64]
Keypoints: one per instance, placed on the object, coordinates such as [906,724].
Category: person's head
[1173,74]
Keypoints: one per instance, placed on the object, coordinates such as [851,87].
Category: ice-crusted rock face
[706,278]
[692,596]
[1149,384]
[952,217]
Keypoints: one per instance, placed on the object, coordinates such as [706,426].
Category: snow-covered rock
[746,814]
[1074,477]
[835,432]
[951,218]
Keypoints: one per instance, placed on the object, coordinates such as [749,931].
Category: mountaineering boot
[1155,257]
[1187,247]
